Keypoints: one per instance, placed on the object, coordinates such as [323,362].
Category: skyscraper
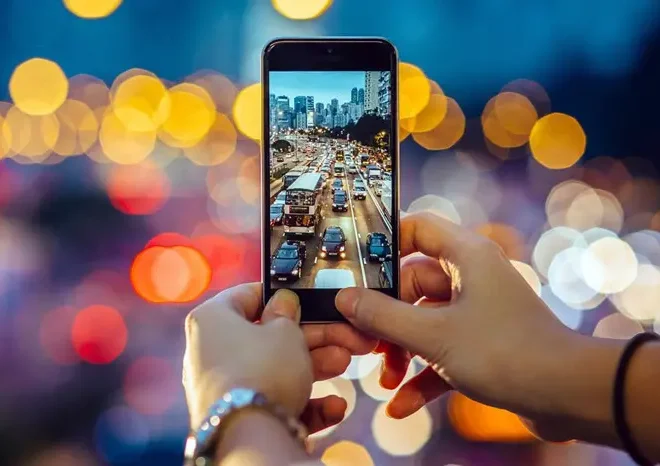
[371,91]
[272,110]
[334,105]
[354,95]
[319,115]
[319,107]
[300,104]
[283,117]
[384,91]
[361,96]
[310,111]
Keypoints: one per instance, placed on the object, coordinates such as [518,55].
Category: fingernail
[346,301]
[286,304]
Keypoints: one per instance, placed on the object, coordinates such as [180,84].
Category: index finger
[243,300]
[431,235]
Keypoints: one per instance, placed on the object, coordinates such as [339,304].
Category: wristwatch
[202,443]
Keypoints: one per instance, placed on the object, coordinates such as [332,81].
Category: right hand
[495,341]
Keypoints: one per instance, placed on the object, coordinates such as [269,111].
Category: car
[337,185]
[378,247]
[339,201]
[359,192]
[334,279]
[358,182]
[352,170]
[276,214]
[281,198]
[378,188]
[333,242]
[287,262]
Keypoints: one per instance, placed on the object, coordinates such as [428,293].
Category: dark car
[337,185]
[276,214]
[359,192]
[378,247]
[286,264]
[339,202]
[333,243]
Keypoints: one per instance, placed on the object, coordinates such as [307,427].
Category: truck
[373,177]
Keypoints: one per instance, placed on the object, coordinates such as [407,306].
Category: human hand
[225,348]
[495,341]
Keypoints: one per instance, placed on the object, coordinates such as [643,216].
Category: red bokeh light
[168,240]
[99,334]
[138,189]
[225,256]
[150,385]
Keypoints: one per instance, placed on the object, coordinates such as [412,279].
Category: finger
[242,300]
[424,277]
[418,329]
[344,335]
[329,362]
[284,303]
[394,366]
[321,413]
[417,392]
[431,235]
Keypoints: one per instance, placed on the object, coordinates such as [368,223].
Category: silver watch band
[202,443]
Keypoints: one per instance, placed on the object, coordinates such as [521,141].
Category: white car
[352,170]
[281,198]
[334,279]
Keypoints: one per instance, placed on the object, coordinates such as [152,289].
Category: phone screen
[332,179]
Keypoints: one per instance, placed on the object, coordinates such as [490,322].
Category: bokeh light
[301,9]
[247,111]
[414,91]
[339,387]
[437,205]
[507,119]
[370,383]
[429,117]
[218,144]
[536,94]
[617,326]
[99,334]
[567,280]
[123,145]
[33,136]
[248,180]
[142,103]
[92,9]
[401,437]
[138,189]
[220,88]
[447,133]
[121,435]
[529,275]
[90,90]
[55,335]
[506,237]
[557,141]
[609,265]
[346,453]
[640,300]
[38,86]
[78,128]
[191,116]
[150,385]
[569,316]
[361,366]
[476,422]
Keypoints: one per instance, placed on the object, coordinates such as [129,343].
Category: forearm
[586,394]
[258,438]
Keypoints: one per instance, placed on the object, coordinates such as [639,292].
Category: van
[334,279]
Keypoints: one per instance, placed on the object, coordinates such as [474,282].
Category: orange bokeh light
[508,119]
[138,190]
[99,334]
[447,133]
[557,141]
[225,256]
[507,237]
[480,423]
[176,274]
[150,385]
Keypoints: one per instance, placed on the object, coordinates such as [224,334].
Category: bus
[290,177]
[340,170]
[339,156]
[302,207]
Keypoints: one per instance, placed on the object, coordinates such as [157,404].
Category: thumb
[415,328]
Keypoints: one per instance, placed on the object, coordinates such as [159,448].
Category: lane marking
[386,221]
[364,259]
[357,239]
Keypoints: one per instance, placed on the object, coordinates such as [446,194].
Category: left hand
[225,348]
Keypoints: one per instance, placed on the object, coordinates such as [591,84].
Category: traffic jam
[330,219]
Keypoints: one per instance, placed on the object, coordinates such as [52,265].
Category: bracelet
[618,399]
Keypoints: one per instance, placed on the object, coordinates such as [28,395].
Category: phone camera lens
[330,50]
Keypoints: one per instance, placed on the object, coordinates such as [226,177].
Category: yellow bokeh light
[248,180]
[121,145]
[217,146]
[31,135]
[370,383]
[401,437]
[414,90]
[5,138]
[301,9]
[92,9]
[557,141]
[346,453]
[447,133]
[78,128]
[38,86]
[429,117]
[142,103]
[90,90]
[247,111]
[191,116]
[508,119]
[221,89]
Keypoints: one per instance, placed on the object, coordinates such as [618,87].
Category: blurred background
[129,192]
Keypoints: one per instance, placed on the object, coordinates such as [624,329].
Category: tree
[282,145]
[367,129]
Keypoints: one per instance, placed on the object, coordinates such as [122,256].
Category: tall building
[354,95]
[371,91]
[283,116]
[301,120]
[355,111]
[319,118]
[334,106]
[319,107]
[310,111]
[272,111]
[384,94]
[299,104]
[361,96]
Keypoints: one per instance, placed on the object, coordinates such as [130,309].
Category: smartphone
[330,170]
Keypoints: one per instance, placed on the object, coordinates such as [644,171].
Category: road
[362,218]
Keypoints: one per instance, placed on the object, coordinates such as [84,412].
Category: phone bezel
[348,54]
